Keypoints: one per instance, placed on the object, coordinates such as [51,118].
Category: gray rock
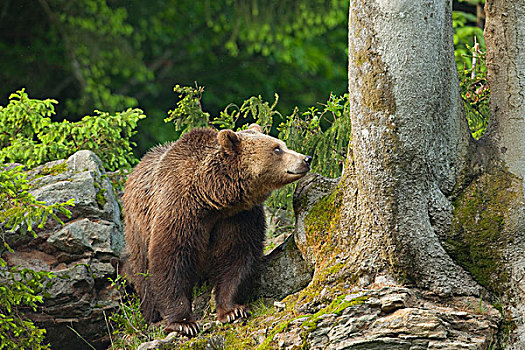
[391,303]
[285,271]
[372,344]
[159,343]
[86,235]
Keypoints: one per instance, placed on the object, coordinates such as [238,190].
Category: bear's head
[265,159]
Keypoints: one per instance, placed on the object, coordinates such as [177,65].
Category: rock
[289,267]
[86,235]
[279,304]
[285,271]
[289,341]
[309,190]
[391,303]
[160,343]
[260,336]
[419,322]
[411,323]
[79,252]
[215,343]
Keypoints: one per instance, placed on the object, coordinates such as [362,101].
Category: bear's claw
[187,328]
[234,314]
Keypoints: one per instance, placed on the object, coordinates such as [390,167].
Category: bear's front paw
[187,328]
[233,314]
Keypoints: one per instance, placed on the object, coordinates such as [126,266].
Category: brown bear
[193,210]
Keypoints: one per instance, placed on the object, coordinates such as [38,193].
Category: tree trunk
[505,140]
[423,203]
[409,143]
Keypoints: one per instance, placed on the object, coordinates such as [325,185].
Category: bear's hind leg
[237,246]
[172,269]
[134,265]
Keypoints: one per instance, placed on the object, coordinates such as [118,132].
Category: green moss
[277,329]
[194,344]
[100,197]
[54,170]
[330,271]
[478,235]
[322,219]
[337,306]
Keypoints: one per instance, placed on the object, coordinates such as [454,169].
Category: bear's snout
[300,164]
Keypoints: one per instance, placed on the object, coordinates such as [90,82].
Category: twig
[81,337]
[474,58]
[107,326]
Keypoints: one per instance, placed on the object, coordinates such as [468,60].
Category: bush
[29,136]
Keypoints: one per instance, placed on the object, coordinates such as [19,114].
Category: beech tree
[422,202]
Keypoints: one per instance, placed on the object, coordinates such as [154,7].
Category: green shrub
[29,136]
[466,34]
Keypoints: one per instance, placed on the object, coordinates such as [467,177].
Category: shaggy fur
[193,210]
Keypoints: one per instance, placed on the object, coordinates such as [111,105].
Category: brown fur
[193,210]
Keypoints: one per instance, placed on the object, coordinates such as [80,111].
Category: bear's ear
[255,127]
[228,140]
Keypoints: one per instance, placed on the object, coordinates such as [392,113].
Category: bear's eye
[278,150]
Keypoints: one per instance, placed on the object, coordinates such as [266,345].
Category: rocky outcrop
[385,317]
[393,317]
[332,314]
[78,252]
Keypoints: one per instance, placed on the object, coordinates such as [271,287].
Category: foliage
[475,92]
[467,32]
[18,207]
[188,106]
[28,135]
[128,325]
[84,47]
[323,133]
[22,288]
[320,132]
[111,55]
[268,27]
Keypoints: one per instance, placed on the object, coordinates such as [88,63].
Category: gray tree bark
[505,38]
[409,142]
